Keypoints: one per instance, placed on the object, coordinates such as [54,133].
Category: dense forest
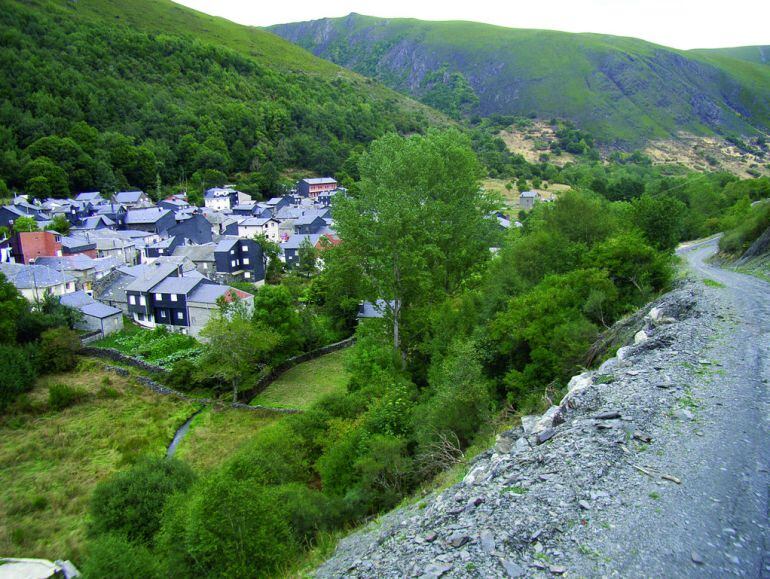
[97,105]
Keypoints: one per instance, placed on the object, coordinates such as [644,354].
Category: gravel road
[655,465]
[716,522]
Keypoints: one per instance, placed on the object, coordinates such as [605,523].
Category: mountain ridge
[624,90]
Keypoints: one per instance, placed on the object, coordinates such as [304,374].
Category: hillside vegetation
[623,90]
[101,95]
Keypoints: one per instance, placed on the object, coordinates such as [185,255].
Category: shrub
[114,556]
[226,528]
[131,501]
[275,456]
[18,374]
[739,239]
[460,399]
[58,350]
[61,396]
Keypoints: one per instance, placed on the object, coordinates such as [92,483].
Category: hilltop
[141,91]
[623,90]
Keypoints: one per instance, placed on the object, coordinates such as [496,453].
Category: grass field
[216,434]
[50,461]
[301,386]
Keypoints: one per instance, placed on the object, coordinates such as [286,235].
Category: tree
[25,223]
[59,224]
[308,258]
[18,373]
[58,349]
[12,308]
[271,264]
[416,222]
[660,219]
[130,502]
[236,347]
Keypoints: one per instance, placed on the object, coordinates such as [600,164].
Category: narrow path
[716,524]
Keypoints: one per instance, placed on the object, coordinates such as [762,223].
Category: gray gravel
[655,465]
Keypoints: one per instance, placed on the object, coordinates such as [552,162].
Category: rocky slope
[655,464]
[623,90]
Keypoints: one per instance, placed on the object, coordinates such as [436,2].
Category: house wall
[35,294]
[31,245]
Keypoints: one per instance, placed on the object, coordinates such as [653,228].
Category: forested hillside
[623,90]
[100,95]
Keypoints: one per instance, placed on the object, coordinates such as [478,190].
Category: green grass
[712,283]
[50,461]
[306,383]
[215,434]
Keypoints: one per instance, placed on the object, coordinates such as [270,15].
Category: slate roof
[128,196]
[226,243]
[89,196]
[162,244]
[76,299]
[295,241]
[31,276]
[176,285]
[93,222]
[210,293]
[373,310]
[528,194]
[215,192]
[67,263]
[151,276]
[99,310]
[148,215]
[308,218]
[320,181]
[256,221]
[77,242]
[203,252]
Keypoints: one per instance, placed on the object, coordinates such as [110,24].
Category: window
[180,315]
[232,263]
[173,297]
[141,301]
[205,266]
[232,252]
[245,248]
[162,313]
[158,296]
[132,300]
[247,275]
[245,261]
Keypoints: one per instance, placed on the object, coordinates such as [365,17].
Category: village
[164,263]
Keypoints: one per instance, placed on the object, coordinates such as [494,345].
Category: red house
[28,246]
[312,188]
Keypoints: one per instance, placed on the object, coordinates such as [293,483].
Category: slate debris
[520,503]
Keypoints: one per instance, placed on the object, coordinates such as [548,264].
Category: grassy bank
[306,383]
[51,460]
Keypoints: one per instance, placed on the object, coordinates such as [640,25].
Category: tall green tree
[236,348]
[416,222]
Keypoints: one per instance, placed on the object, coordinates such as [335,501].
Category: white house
[267,226]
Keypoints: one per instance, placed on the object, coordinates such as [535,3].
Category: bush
[275,456]
[58,350]
[61,396]
[115,557]
[131,501]
[460,399]
[18,374]
[738,240]
[226,528]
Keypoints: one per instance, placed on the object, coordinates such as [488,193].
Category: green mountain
[105,94]
[755,54]
[623,90]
